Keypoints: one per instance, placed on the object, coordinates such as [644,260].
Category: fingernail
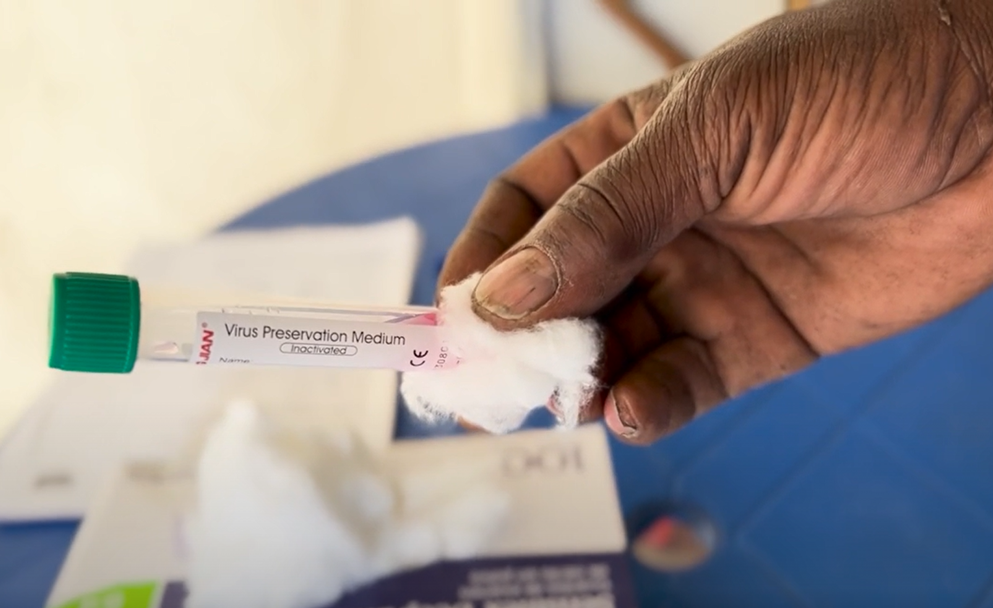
[468,426]
[618,418]
[517,286]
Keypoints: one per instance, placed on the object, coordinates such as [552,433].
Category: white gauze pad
[290,518]
[503,376]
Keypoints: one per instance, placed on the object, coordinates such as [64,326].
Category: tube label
[410,343]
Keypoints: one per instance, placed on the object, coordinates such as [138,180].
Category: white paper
[86,426]
[563,502]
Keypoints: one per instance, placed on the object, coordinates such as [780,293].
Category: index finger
[514,201]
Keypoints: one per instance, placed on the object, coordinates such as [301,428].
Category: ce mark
[418,359]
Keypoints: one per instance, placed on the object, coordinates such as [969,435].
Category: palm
[767,300]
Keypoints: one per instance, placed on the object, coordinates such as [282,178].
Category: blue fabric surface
[867,480]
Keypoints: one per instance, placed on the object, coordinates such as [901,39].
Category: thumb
[603,231]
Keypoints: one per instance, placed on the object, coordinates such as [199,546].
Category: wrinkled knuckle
[504,185]
[483,234]
[623,122]
[640,180]
[673,406]
[587,211]
[721,115]
[498,184]
[641,105]
[972,31]
[606,216]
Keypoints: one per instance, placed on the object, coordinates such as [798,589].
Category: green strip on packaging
[132,595]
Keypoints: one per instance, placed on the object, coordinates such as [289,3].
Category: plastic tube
[104,323]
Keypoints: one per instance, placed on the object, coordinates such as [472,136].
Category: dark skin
[821,182]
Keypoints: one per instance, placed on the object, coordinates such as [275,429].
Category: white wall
[592,58]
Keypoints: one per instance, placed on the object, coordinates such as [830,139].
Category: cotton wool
[290,518]
[504,376]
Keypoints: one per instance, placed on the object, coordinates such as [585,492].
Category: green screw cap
[95,319]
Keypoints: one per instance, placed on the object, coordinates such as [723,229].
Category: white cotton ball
[471,521]
[503,376]
[459,529]
[262,535]
[450,507]
[287,518]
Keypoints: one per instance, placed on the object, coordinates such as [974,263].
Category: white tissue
[291,518]
[504,376]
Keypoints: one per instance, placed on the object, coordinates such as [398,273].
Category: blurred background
[863,481]
[123,123]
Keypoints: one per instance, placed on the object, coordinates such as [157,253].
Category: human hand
[820,182]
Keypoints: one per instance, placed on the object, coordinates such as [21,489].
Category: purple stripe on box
[575,581]
[174,596]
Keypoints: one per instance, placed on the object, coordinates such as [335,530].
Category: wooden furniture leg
[620,10]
